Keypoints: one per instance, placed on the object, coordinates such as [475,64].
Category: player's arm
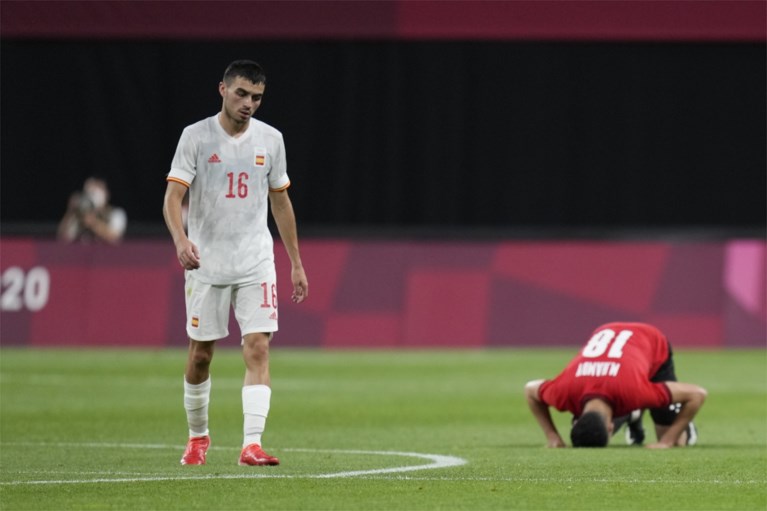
[285,218]
[691,397]
[187,252]
[542,414]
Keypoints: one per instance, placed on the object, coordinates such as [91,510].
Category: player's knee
[700,396]
[259,353]
[200,359]
[256,346]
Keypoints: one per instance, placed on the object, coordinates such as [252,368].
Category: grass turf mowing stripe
[464,403]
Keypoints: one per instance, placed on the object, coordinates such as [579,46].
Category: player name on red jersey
[598,369]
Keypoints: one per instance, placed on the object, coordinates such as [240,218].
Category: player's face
[241,99]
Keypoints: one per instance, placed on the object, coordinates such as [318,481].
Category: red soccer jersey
[616,365]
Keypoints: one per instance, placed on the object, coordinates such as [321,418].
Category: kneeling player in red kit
[624,369]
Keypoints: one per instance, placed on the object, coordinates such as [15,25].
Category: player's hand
[300,285]
[556,443]
[659,445]
[188,255]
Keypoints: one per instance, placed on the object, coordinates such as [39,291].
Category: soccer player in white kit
[232,165]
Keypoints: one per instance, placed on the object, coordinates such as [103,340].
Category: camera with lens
[85,204]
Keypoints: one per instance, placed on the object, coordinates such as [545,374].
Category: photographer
[90,217]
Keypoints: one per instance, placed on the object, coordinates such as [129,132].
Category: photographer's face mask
[97,195]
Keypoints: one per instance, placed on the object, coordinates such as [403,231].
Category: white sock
[255,408]
[196,399]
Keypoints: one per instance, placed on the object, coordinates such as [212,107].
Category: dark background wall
[392,132]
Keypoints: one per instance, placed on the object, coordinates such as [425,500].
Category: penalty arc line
[436,461]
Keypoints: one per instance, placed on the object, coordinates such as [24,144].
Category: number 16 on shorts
[207,308]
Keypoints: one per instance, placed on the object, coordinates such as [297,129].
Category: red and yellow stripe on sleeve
[280,189]
[177,180]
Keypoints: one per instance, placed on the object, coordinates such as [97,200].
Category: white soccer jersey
[229,181]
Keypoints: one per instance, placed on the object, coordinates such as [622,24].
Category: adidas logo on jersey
[273,315]
[214,159]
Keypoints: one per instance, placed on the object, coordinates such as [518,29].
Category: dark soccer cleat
[634,429]
[196,449]
[253,455]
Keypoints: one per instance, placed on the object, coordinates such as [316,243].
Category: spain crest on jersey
[260,157]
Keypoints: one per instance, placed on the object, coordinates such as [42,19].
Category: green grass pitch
[359,430]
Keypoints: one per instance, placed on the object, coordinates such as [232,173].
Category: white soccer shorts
[207,307]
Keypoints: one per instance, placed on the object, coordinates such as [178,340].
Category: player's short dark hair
[247,69]
[589,430]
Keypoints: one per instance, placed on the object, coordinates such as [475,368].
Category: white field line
[435,461]
[375,474]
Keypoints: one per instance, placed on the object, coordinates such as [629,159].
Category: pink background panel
[363,330]
[104,306]
[326,266]
[690,330]
[446,308]
[63,320]
[412,294]
[18,252]
[620,275]
[744,274]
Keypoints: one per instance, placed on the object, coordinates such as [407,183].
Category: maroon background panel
[583,20]
[376,294]
[400,19]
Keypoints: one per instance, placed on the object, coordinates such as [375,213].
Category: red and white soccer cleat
[253,455]
[196,448]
